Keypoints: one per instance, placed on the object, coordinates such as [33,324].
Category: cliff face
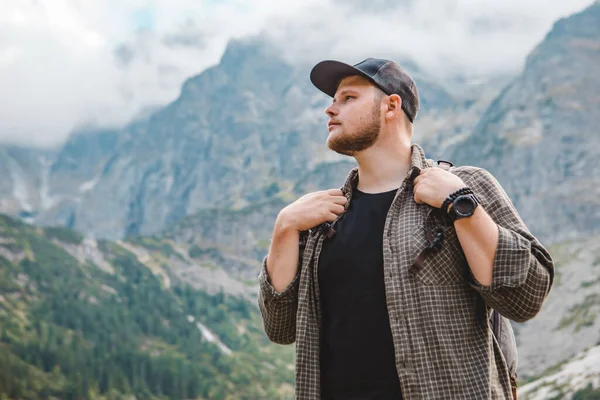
[241,132]
[540,137]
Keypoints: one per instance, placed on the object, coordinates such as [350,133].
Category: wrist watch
[463,206]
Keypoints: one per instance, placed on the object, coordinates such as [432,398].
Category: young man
[351,276]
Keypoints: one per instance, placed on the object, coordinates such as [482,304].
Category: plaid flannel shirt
[444,347]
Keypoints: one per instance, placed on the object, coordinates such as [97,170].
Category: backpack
[500,325]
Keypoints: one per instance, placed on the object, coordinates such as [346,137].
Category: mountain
[540,136]
[234,240]
[540,139]
[567,325]
[569,322]
[81,318]
[239,133]
[162,311]
[575,379]
[560,215]
[190,193]
[25,185]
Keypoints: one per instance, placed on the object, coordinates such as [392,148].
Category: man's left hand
[433,185]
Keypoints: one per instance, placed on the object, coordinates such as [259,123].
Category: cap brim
[326,75]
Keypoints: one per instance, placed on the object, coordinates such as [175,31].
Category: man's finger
[336,209]
[339,200]
[334,192]
[416,194]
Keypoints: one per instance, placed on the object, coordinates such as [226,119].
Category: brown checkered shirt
[444,347]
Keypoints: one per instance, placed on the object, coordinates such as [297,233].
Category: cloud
[71,63]
[445,37]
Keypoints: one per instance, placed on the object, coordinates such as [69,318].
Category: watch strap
[452,196]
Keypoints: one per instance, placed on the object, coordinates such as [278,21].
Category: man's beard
[350,143]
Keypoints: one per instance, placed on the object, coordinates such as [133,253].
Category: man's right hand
[313,209]
[308,211]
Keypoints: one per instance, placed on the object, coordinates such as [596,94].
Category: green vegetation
[63,234]
[583,314]
[586,284]
[588,393]
[155,244]
[271,190]
[71,331]
[558,391]
[197,252]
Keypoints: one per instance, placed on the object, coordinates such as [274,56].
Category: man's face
[355,116]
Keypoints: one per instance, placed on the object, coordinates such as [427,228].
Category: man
[378,305]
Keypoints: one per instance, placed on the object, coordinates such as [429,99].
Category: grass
[157,245]
[587,393]
[63,235]
[583,314]
[198,252]
[586,284]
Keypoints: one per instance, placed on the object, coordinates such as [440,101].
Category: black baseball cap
[385,74]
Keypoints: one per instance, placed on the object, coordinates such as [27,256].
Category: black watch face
[464,206]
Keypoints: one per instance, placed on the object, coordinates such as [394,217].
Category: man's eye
[349,97]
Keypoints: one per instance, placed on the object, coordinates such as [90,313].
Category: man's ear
[394,105]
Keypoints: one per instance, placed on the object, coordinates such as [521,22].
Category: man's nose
[331,110]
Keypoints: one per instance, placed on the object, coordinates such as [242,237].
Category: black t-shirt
[357,352]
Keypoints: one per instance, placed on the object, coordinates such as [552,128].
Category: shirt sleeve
[278,309]
[523,270]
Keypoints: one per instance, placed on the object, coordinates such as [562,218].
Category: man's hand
[313,209]
[433,185]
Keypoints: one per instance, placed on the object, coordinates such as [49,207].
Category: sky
[70,64]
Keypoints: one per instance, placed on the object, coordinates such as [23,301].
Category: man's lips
[332,123]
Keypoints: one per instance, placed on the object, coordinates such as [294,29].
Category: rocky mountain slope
[108,320]
[540,137]
[196,186]
[569,322]
[56,267]
[577,379]
[240,132]
[25,172]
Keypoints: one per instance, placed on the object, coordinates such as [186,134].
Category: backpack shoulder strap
[496,324]
[505,336]
[444,164]
[435,238]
